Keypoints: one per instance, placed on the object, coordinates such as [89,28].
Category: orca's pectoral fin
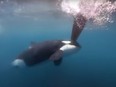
[57,55]
[58,62]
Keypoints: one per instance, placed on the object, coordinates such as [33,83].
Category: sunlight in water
[98,10]
[71,7]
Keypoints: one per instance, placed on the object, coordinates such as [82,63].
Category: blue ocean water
[93,66]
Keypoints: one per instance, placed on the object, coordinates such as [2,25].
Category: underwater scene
[23,22]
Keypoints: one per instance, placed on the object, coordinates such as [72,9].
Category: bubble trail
[99,11]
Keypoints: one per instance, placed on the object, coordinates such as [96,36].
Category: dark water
[93,66]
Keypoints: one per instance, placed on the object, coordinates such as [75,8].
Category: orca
[53,50]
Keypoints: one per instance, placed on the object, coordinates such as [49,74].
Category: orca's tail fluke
[78,25]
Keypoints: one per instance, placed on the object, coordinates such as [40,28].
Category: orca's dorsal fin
[78,25]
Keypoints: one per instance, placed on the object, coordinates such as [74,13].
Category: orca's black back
[40,52]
